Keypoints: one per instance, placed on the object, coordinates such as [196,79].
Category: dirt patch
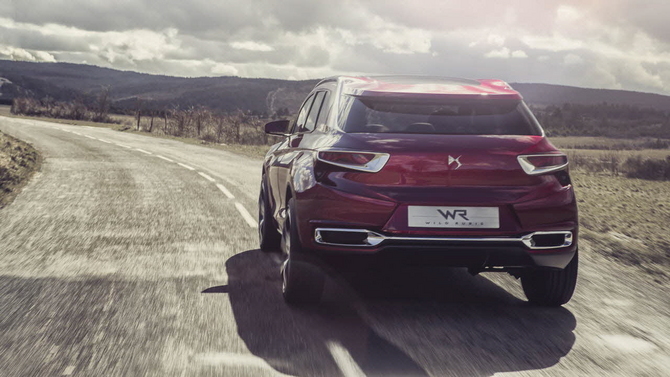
[18,162]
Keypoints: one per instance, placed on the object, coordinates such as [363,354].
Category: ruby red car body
[420,167]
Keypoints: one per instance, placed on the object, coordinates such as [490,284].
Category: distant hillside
[65,81]
[546,94]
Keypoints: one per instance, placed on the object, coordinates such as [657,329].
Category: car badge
[452,160]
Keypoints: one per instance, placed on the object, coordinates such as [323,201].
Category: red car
[418,170]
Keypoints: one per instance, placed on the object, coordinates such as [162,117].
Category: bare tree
[152,113]
[200,115]
[138,111]
[220,124]
[102,105]
[165,121]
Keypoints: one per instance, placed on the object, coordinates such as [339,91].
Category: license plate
[453,217]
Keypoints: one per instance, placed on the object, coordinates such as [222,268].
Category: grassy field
[625,218]
[18,162]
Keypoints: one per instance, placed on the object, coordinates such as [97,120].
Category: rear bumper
[509,257]
[531,250]
[388,238]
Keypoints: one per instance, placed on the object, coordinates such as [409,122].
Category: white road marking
[344,361]
[68,371]
[225,191]
[245,215]
[143,151]
[76,133]
[90,137]
[105,141]
[185,166]
[206,177]
[164,158]
[123,145]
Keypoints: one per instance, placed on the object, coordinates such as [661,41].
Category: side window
[313,113]
[325,109]
[302,116]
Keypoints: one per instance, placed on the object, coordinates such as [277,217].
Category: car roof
[424,86]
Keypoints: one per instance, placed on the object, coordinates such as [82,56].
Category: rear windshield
[479,117]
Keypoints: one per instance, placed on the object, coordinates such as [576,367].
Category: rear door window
[302,115]
[325,109]
[310,123]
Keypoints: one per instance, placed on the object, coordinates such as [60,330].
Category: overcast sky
[618,44]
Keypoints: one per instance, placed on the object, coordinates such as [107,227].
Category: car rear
[448,172]
[459,182]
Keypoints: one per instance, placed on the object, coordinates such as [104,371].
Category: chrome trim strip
[375,239]
[530,169]
[373,166]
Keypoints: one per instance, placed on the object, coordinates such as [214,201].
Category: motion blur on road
[129,255]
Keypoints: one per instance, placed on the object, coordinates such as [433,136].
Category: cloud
[13,53]
[572,59]
[614,44]
[519,54]
[251,46]
[499,53]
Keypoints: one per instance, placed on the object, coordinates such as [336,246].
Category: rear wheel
[550,287]
[302,283]
[269,238]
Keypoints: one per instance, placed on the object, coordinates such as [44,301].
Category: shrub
[652,169]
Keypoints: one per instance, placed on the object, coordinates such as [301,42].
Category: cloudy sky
[619,44]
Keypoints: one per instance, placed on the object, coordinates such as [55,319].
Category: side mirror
[278,127]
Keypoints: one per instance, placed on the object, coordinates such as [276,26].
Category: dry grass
[5,111]
[606,143]
[127,124]
[18,162]
[626,218]
[622,155]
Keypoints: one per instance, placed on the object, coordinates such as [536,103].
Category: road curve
[128,255]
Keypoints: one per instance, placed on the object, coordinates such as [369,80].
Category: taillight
[363,161]
[534,164]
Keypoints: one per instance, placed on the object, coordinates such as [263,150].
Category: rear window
[479,117]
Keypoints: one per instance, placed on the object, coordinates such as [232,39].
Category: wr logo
[452,215]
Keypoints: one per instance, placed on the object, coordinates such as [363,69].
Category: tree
[102,104]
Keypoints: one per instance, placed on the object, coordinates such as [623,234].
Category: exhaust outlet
[347,237]
[548,240]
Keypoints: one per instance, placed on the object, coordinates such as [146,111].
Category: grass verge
[625,219]
[18,162]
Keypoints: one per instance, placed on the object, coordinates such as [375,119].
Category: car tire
[302,282]
[546,287]
[269,238]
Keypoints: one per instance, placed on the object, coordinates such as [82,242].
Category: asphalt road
[133,256]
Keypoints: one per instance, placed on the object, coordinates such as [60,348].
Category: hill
[65,81]
[555,95]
